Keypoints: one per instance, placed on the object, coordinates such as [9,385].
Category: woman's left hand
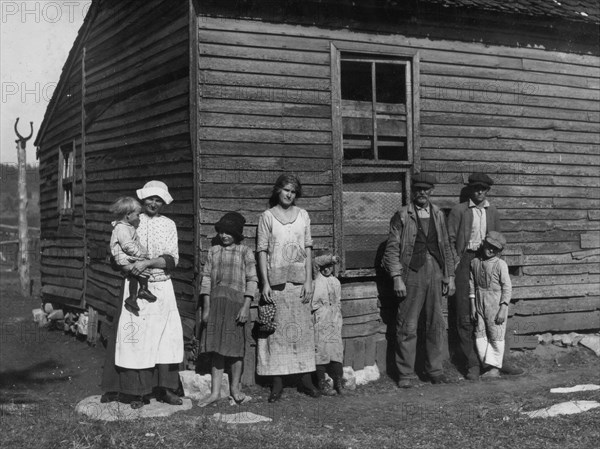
[242,316]
[307,292]
[139,267]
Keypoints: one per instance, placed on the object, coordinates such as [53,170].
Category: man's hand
[473,312]
[450,288]
[399,287]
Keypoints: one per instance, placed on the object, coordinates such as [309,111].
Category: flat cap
[480,179]
[496,239]
[423,180]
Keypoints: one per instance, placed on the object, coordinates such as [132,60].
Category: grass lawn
[45,373]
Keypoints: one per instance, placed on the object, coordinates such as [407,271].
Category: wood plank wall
[62,246]
[263,111]
[137,129]
[527,117]
[137,84]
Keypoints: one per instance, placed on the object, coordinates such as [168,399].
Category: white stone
[545,338]
[196,386]
[56,315]
[82,324]
[240,418]
[366,375]
[116,411]
[575,338]
[360,377]
[564,408]
[567,340]
[349,378]
[38,315]
[592,342]
[576,388]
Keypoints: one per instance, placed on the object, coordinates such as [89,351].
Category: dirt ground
[43,367]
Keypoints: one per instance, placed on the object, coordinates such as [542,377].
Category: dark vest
[425,243]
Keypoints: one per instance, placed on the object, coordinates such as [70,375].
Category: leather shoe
[407,383]
[168,397]
[511,370]
[137,403]
[131,305]
[145,294]
[441,379]
[109,396]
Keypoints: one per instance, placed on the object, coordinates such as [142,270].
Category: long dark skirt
[222,334]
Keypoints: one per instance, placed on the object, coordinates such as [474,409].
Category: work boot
[511,370]
[407,383]
[440,379]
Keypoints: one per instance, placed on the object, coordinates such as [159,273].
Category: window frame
[66,179]
[413,164]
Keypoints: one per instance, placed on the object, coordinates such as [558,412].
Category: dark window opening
[66,178]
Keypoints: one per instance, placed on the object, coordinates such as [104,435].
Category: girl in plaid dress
[229,282]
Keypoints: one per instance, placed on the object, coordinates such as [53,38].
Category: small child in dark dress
[229,282]
[126,248]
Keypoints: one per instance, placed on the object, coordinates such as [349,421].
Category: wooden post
[23,260]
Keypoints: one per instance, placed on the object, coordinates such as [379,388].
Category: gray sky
[35,39]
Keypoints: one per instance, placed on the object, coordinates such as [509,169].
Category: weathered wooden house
[216,98]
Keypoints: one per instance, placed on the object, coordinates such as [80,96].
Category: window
[66,178]
[375,146]
[374,108]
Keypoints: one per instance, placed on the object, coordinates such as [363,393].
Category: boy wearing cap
[468,223]
[489,295]
[420,261]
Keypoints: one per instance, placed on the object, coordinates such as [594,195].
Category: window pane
[392,151]
[356,81]
[390,83]
[358,153]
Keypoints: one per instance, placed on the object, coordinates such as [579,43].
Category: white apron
[155,335]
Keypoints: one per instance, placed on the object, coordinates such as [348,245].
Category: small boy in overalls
[490,293]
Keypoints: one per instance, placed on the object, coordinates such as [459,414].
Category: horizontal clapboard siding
[62,243]
[137,108]
[136,129]
[528,117]
[262,111]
